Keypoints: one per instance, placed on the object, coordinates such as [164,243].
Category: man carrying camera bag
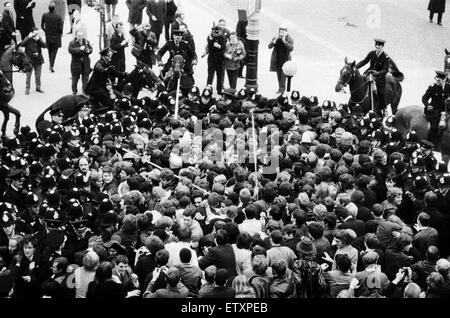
[282,45]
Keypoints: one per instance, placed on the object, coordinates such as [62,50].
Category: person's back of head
[412,290]
[276,237]
[443,267]
[221,237]
[91,261]
[430,199]
[162,257]
[251,211]
[185,255]
[377,210]
[260,264]
[370,258]
[432,254]
[210,273]
[330,220]
[343,262]
[172,277]
[315,229]
[103,272]
[221,277]
[424,219]
[279,268]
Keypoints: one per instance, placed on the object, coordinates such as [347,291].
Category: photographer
[215,50]
[145,43]
[234,55]
[80,49]
[33,45]
[282,45]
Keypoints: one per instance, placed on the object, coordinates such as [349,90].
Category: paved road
[324,31]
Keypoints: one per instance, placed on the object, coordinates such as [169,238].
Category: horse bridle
[352,75]
[12,64]
[356,89]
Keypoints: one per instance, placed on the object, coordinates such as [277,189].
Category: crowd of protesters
[116,207]
[145,203]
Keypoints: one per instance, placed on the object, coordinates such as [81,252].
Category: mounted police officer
[102,78]
[438,93]
[178,47]
[379,67]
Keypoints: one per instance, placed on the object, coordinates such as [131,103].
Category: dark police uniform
[379,64]
[183,49]
[438,94]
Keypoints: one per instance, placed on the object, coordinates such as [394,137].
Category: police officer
[379,67]
[177,47]
[438,93]
[104,74]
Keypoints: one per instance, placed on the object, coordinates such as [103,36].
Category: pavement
[324,33]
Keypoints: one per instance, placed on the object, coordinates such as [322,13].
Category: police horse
[413,118]
[12,56]
[141,77]
[362,88]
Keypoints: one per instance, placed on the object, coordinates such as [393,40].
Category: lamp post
[289,69]
[253,29]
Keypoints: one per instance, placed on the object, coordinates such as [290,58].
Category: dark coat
[221,292]
[356,225]
[394,260]
[379,64]
[106,290]
[281,53]
[135,9]
[8,25]
[148,45]
[438,95]
[60,8]
[24,16]
[118,58]
[184,49]
[424,239]
[436,6]
[52,24]
[33,49]
[99,78]
[81,63]
[221,256]
[158,10]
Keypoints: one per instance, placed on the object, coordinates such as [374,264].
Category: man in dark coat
[215,49]
[80,49]
[436,6]
[171,10]
[118,44]
[282,45]
[221,291]
[157,12]
[438,93]
[52,24]
[178,47]
[33,44]
[135,8]
[222,256]
[103,74]
[8,26]
[24,18]
[379,67]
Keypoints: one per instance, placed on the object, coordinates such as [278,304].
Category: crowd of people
[144,202]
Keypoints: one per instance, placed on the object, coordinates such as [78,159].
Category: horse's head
[177,64]
[147,78]
[346,75]
[447,61]
[21,60]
